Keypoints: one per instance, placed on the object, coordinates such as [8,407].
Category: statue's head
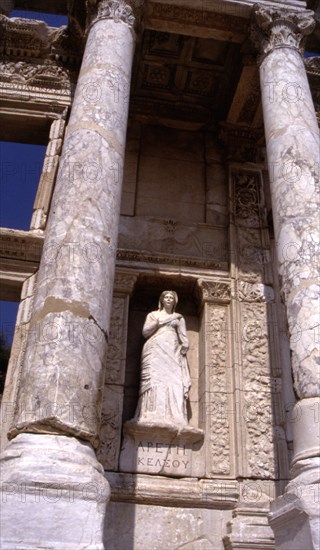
[162,296]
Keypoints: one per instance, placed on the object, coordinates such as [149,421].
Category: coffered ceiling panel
[182,72]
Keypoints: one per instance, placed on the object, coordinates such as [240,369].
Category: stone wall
[217,254]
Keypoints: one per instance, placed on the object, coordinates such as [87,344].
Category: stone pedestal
[293,149]
[161,449]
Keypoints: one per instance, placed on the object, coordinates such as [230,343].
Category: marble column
[293,149]
[51,480]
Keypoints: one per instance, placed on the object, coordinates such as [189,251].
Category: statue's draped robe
[165,379]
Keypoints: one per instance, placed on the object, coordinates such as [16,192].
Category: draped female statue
[165,379]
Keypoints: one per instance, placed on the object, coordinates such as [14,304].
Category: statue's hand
[183,350]
[174,323]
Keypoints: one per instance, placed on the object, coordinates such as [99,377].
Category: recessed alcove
[144,300]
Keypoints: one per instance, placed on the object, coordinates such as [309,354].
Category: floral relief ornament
[119,10]
[279,28]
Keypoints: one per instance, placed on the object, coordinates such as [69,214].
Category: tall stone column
[293,149]
[53,487]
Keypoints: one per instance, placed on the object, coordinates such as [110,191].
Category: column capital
[216,291]
[272,29]
[127,11]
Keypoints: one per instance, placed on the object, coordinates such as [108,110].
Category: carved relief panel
[216,395]
[257,370]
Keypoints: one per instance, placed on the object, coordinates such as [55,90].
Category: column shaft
[62,378]
[293,149]
[54,492]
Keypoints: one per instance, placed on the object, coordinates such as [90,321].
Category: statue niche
[165,379]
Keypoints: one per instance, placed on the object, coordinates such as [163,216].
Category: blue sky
[20,169]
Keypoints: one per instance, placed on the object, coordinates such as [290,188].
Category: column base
[53,494]
[249,530]
[294,516]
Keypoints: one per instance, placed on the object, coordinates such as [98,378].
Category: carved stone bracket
[280,28]
[124,282]
[243,143]
[128,11]
[214,291]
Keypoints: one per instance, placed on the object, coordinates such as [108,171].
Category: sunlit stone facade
[182,153]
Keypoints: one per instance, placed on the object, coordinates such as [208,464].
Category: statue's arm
[182,333]
[151,325]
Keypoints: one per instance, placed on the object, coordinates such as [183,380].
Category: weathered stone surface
[55,482]
[293,147]
[249,529]
[188,218]
[68,391]
[160,527]
[167,491]
[78,262]
[157,450]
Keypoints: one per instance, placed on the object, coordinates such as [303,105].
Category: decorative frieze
[32,39]
[205,19]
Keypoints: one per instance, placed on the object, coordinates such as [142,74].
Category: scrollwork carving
[257,413]
[254,292]
[247,199]
[280,28]
[217,408]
